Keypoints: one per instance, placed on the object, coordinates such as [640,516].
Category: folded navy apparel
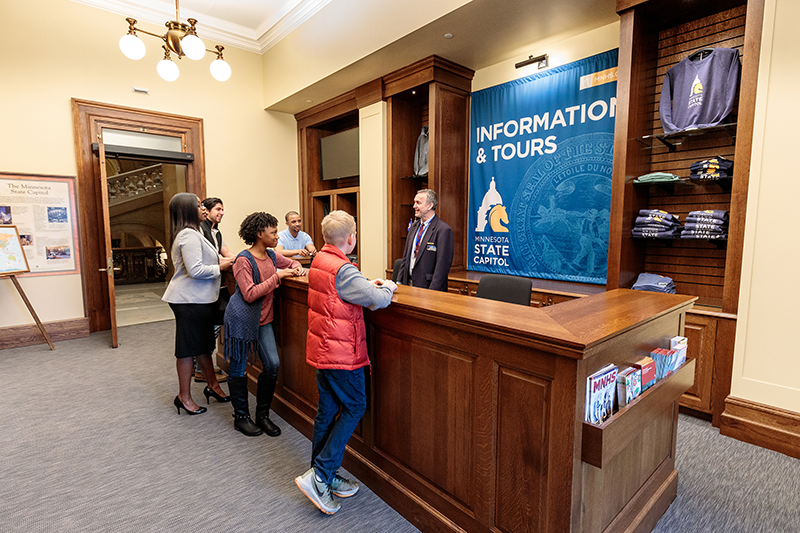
[654,233]
[708,176]
[706,220]
[657,213]
[641,221]
[656,227]
[654,283]
[708,213]
[704,235]
[713,228]
[714,168]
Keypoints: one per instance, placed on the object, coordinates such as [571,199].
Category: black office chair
[396,269]
[511,289]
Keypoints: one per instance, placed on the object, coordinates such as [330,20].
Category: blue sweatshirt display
[700,93]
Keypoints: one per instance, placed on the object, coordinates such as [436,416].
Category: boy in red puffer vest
[337,347]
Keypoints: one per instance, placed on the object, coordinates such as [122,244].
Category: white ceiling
[486,32]
[253,25]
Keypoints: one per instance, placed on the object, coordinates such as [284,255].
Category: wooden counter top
[574,325]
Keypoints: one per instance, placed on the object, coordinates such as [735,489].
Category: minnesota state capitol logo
[492,211]
[492,250]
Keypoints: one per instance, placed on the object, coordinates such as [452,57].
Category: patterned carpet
[90,441]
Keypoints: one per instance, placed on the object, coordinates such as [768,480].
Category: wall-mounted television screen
[338,155]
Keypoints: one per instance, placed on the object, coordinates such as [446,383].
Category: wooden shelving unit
[654,36]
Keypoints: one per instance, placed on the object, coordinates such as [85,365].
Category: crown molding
[285,21]
[268,34]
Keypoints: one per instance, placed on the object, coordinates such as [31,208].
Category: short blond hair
[337,226]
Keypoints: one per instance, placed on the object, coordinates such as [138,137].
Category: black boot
[264,394]
[237,387]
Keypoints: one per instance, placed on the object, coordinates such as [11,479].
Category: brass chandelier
[182,40]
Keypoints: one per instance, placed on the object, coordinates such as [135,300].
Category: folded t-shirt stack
[654,283]
[711,169]
[706,224]
[656,223]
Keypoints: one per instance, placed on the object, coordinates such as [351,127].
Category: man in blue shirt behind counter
[293,242]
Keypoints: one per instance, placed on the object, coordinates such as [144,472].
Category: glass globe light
[132,46]
[220,70]
[168,70]
[193,47]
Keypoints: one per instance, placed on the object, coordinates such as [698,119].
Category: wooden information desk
[475,409]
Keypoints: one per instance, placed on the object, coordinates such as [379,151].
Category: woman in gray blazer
[192,294]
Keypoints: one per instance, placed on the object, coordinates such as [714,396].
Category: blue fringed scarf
[242,319]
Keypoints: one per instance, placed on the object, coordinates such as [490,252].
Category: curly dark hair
[255,223]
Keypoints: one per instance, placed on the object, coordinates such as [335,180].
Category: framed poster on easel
[12,262]
[43,209]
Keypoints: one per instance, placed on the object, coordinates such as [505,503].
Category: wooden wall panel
[29,334]
[448,150]
[522,419]
[702,333]
[297,379]
[431,431]
[627,472]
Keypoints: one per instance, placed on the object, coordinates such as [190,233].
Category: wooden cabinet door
[701,332]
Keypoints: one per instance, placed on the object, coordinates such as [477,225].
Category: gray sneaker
[343,487]
[319,493]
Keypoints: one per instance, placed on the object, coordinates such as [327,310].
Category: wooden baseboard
[763,425]
[29,334]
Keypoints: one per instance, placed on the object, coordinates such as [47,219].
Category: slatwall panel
[697,267]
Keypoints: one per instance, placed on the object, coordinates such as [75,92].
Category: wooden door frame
[88,120]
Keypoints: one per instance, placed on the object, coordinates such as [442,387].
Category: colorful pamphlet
[648,368]
[629,385]
[680,345]
[600,392]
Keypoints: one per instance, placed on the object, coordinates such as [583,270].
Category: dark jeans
[267,352]
[337,388]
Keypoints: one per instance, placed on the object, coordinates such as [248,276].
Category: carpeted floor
[90,442]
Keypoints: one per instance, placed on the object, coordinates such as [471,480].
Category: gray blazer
[196,279]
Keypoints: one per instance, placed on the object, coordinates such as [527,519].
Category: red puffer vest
[336,333]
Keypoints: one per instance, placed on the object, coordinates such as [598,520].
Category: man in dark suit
[429,246]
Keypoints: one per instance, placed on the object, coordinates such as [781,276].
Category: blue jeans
[267,352]
[337,388]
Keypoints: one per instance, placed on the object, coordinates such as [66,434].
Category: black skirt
[194,329]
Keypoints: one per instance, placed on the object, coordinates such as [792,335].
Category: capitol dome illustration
[490,199]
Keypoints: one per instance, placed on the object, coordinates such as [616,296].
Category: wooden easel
[33,312]
[26,268]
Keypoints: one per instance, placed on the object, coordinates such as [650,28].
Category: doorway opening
[138,203]
[93,120]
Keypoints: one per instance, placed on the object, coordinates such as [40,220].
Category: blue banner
[541,152]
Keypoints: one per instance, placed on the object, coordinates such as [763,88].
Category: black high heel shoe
[179,404]
[208,392]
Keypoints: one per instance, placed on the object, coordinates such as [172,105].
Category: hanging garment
[699,91]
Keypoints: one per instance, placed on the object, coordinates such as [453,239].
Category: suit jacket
[196,279]
[433,259]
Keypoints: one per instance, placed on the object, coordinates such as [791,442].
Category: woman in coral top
[248,320]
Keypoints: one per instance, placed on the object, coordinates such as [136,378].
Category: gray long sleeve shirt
[354,288]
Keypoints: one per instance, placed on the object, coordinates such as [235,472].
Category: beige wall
[373,216]
[316,49]
[766,363]
[560,52]
[55,50]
